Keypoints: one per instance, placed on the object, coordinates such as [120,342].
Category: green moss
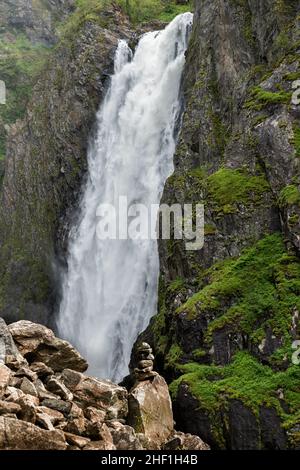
[289,195]
[256,291]
[226,188]
[173,356]
[140,11]
[176,285]
[260,98]
[209,229]
[296,140]
[20,63]
[245,379]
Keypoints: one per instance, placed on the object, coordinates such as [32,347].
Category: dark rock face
[46,164]
[35,19]
[239,131]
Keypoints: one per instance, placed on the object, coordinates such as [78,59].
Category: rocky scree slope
[47,403]
[228,314]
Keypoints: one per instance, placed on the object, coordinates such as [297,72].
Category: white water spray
[110,288]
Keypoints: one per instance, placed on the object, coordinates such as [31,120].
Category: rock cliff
[228,314]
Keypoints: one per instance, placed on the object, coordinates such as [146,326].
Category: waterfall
[110,287]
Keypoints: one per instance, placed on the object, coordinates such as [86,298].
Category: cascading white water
[110,288]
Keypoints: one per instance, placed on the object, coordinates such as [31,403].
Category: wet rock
[150,409]
[19,435]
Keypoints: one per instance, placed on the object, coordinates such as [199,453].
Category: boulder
[54,415]
[41,369]
[9,353]
[99,445]
[54,385]
[94,415]
[102,394]
[180,441]
[39,344]
[19,435]
[77,441]
[44,421]
[28,388]
[9,407]
[150,409]
[124,437]
[58,405]
[5,374]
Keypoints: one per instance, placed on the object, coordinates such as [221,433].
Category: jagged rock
[77,441]
[15,381]
[99,445]
[19,435]
[147,443]
[58,405]
[150,409]
[28,404]
[40,343]
[183,441]
[43,394]
[76,411]
[9,353]
[77,426]
[41,369]
[94,415]
[44,421]
[54,415]
[124,437]
[5,374]
[14,394]
[56,386]
[101,394]
[25,371]
[8,407]
[28,388]
[29,336]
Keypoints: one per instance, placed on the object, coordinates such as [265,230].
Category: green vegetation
[256,291]
[289,195]
[20,65]
[140,11]
[260,98]
[296,140]
[245,379]
[226,188]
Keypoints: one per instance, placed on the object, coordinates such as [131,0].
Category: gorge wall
[228,314]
